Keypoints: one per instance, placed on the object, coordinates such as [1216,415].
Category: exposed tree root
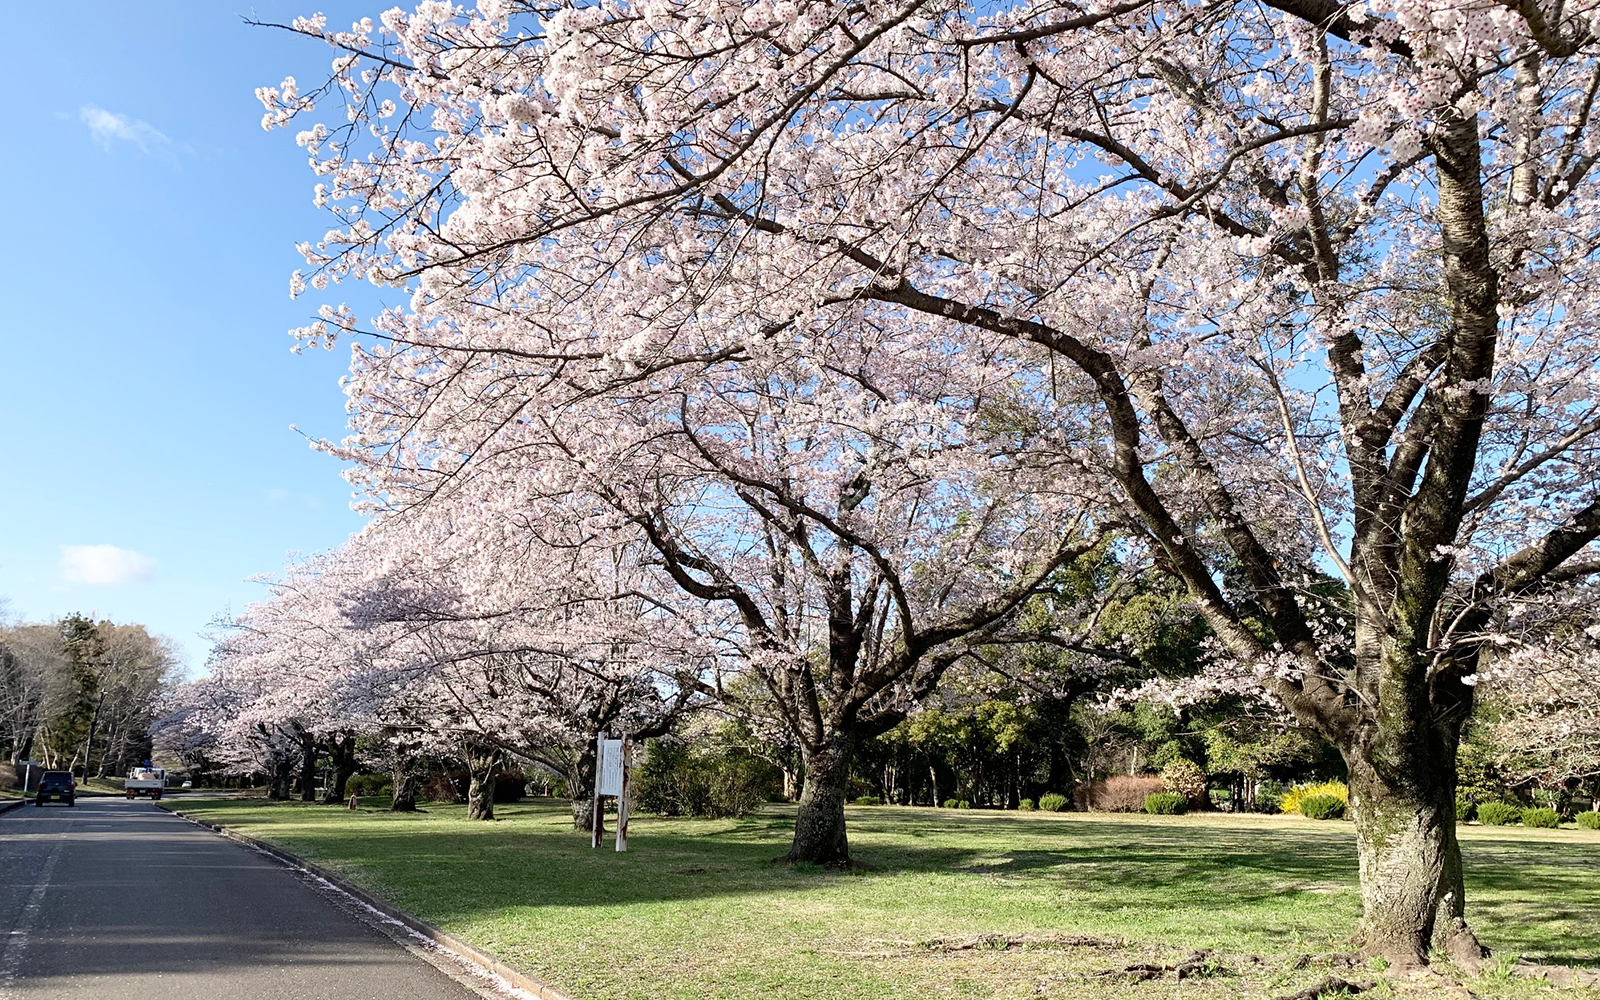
[1557,975]
[1199,963]
[1002,942]
[1461,946]
[1335,959]
[988,942]
[1330,986]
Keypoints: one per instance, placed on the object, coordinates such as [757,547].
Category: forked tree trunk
[483,766]
[819,834]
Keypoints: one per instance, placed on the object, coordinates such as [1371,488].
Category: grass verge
[956,906]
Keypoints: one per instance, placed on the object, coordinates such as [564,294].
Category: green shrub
[1322,807]
[1543,818]
[1466,810]
[1027,805]
[951,803]
[1589,820]
[701,778]
[1053,802]
[1498,814]
[1166,803]
[370,784]
[868,800]
[963,804]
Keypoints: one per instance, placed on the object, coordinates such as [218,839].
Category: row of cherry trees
[849,325]
[441,639]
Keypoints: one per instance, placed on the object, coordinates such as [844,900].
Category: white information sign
[609,768]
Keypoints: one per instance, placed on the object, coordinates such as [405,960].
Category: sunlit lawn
[696,909]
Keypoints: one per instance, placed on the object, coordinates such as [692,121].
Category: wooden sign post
[611,778]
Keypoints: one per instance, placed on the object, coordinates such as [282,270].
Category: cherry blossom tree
[509,640]
[1543,694]
[1308,285]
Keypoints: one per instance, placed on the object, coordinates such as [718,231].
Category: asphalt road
[118,900]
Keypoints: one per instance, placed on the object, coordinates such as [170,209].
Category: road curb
[6,807]
[462,950]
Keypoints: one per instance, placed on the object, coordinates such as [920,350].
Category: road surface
[118,900]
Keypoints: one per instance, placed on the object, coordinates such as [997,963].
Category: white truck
[145,781]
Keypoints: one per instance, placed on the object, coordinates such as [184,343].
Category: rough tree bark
[483,767]
[580,789]
[404,772]
[819,831]
[343,753]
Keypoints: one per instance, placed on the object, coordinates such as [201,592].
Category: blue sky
[149,467]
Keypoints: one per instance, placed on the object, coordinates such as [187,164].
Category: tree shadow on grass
[1527,897]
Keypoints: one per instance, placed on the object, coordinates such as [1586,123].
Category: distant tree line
[79,694]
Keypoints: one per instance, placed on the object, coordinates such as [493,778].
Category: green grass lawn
[696,909]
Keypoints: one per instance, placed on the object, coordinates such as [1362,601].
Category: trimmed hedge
[868,800]
[963,804]
[1166,803]
[951,803]
[1543,818]
[1589,820]
[1053,802]
[1498,814]
[1322,807]
[1028,805]
[1466,810]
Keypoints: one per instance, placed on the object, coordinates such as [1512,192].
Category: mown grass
[697,909]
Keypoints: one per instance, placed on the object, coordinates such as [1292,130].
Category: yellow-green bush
[1293,797]
[1543,818]
[1499,814]
[1322,807]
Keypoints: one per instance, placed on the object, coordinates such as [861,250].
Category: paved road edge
[6,807]
[448,942]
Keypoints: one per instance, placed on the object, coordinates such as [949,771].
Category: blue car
[56,786]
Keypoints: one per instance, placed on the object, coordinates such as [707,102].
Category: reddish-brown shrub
[1123,794]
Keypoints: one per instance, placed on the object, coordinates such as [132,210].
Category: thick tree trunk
[344,768]
[403,795]
[580,789]
[819,834]
[1410,862]
[282,781]
[483,766]
[308,768]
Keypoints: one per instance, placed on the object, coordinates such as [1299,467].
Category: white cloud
[108,127]
[104,565]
